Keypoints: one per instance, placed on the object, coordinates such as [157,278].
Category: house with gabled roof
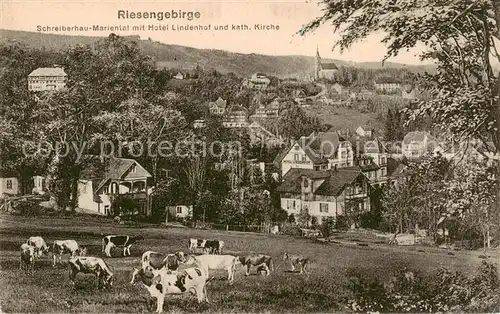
[106,180]
[329,193]
[262,136]
[236,117]
[387,84]
[9,184]
[319,151]
[218,107]
[418,143]
[44,79]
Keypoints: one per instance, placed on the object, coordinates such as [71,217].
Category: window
[106,209]
[344,155]
[9,184]
[323,207]
[179,209]
[296,147]
[303,157]
[382,160]
[383,170]
[133,168]
[306,183]
[296,157]
[290,204]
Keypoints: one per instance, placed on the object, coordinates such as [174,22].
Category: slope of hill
[187,57]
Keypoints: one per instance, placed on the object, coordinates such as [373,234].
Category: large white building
[44,79]
[319,151]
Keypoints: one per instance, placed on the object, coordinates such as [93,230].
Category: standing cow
[208,246]
[125,241]
[91,265]
[38,243]
[206,262]
[158,261]
[165,282]
[264,262]
[27,258]
[297,261]
[60,247]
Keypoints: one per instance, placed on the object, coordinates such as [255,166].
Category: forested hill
[174,56]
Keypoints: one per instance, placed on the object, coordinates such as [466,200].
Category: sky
[289,15]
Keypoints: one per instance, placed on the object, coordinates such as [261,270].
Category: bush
[29,208]
[442,291]
[327,226]
[341,223]
[291,219]
[291,229]
[314,222]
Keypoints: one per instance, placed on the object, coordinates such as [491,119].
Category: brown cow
[259,260]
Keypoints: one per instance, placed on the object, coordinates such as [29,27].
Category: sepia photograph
[260,156]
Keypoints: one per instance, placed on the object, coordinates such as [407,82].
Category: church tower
[317,64]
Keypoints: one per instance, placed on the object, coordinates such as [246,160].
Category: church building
[324,70]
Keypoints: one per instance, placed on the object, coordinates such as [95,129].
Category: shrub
[291,219]
[341,223]
[314,222]
[327,226]
[442,291]
[291,229]
[29,208]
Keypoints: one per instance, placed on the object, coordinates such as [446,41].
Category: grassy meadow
[323,289]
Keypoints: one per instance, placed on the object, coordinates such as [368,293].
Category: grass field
[321,290]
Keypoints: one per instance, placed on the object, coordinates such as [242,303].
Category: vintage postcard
[260,156]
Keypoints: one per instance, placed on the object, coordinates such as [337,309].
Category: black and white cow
[264,262]
[165,282]
[158,261]
[297,261]
[214,246]
[27,258]
[60,247]
[91,265]
[125,241]
[207,246]
[39,244]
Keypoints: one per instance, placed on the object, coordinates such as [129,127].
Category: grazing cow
[206,262]
[214,246]
[39,244]
[297,261]
[91,265]
[263,262]
[27,258]
[164,282]
[126,241]
[60,247]
[158,261]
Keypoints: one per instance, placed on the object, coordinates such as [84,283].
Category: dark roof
[372,166]
[387,80]
[333,184]
[329,66]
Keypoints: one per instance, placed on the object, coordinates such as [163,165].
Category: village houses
[258,81]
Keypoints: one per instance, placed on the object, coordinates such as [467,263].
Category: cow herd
[159,273]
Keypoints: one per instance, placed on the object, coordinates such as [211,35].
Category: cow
[297,261]
[165,282]
[158,261]
[208,246]
[263,262]
[27,258]
[39,245]
[206,262]
[91,265]
[125,241]
[214,246]
[60,247]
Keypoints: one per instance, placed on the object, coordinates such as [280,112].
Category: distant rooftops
[56,71]
[329,66]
